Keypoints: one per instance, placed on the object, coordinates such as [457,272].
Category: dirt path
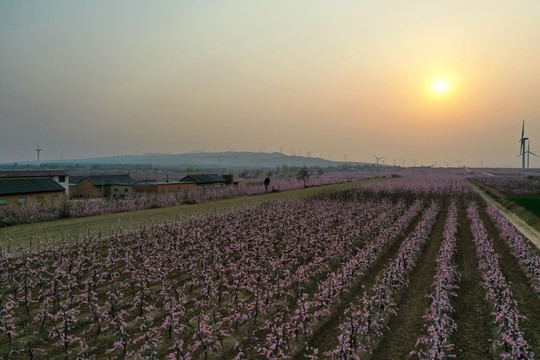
[472,312]
[494,198]
[528,300]
[405,328]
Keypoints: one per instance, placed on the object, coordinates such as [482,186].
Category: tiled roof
[32,173]
[203,179]
[99,180]
[74,180]
[9,186]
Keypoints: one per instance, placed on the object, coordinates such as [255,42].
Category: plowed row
[286,279]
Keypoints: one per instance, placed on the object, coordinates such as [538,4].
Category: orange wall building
[21,191]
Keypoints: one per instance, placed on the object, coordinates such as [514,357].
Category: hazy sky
[96,78]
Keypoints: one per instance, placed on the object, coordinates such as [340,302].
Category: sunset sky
[97,78]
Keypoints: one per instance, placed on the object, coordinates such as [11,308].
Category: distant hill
[233,159]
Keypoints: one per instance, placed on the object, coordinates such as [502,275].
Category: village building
[60,176]
[163,187]
[21,191]
[92,186]
[204,181]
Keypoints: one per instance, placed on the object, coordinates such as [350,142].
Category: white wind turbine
[38,150]
[378,158]
[522,151]
[529,152]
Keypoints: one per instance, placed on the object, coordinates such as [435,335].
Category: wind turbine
[345,156]
[522,151]
[458,162]
[448,164]
[378,158]
[38,150]
[529,152]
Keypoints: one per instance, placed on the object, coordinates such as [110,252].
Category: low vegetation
[370,271]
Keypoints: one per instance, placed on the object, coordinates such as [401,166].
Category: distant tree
[304,173]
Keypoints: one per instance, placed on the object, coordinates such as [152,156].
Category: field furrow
[403,329]
[472,312]
[366,273]
[527,299]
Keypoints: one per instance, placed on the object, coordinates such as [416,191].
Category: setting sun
[441,85]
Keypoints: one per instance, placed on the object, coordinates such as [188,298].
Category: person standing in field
[266,183]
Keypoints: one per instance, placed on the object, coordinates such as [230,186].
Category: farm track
[472,312]
[524,220]
[528,301]
[325,334]
[403,329]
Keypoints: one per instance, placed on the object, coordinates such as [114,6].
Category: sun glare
[441,85]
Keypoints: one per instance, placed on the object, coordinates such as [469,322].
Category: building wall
[211,185]
[174,187]
[161,188]
[145,188]
[119,190]
[47,197]
[85,189]
[64,183]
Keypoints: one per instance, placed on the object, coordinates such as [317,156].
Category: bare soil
[325,335]
[405,328]
[528,300]
[472,312]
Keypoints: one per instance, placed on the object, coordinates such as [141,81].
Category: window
[4,202]
[22,201]
[125,190]
[61,179]
[40,199]
[55,197]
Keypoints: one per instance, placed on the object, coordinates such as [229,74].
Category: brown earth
[472,311]
[325,335]
[528,300]
[405,328]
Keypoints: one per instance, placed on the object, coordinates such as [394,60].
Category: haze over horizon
[93,79]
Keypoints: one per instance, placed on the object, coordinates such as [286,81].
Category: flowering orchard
[322,278]
[514,184]
[36,212]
